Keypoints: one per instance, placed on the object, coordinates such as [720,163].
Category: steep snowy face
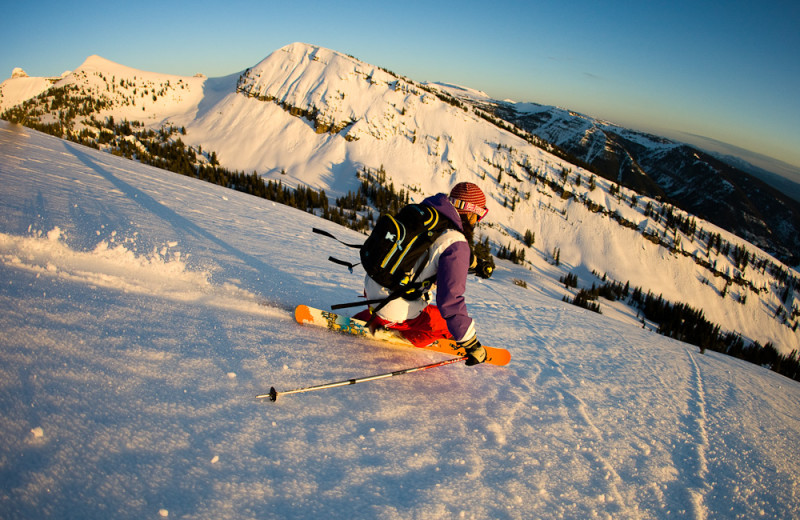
[340,92]
[362,115]
[338,88]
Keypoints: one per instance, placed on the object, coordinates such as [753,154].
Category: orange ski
[308,315]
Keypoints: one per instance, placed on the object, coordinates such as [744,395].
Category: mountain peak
[301,47]
[95,62]
[303,54]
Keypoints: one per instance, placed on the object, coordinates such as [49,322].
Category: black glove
[475,352]
[482,269]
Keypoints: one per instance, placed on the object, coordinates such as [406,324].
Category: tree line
[684,323]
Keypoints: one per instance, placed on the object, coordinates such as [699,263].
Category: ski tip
[302,314]
[499,357]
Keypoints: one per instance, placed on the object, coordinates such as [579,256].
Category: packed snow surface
[141,312]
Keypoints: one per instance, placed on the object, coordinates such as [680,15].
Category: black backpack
[398,242]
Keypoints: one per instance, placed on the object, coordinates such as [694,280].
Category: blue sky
[729,71]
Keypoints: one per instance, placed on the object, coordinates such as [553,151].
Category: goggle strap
[469,206]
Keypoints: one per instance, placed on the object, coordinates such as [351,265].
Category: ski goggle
[469,206]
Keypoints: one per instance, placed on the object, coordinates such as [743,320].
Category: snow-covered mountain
[21,87]
[719,189]
[312,116]
[143,310]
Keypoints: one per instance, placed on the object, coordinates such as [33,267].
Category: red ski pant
[421,331]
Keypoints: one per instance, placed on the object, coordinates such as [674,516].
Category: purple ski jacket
[451,274]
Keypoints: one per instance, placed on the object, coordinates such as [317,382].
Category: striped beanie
[468,194]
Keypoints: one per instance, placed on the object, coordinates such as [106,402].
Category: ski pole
[273,394]
[330,235]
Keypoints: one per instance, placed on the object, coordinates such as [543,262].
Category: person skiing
[447,263]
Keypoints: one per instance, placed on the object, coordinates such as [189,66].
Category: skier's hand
[475,352]
[482,269]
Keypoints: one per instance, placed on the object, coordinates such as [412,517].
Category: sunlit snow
[142,312]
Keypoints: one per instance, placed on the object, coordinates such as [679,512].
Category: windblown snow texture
[141,311]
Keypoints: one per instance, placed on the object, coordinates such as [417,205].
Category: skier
[447,263]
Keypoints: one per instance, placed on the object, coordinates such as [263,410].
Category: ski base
[320,318]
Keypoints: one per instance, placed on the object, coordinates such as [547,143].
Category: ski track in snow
[697,444]
[576,409]
[142,311]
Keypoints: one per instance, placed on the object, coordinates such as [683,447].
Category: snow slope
[143,311]
[21,88]
[310,115]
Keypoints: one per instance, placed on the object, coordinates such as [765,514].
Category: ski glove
[484,270]
[481,268]
[475,352]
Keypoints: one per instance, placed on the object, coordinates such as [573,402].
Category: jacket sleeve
[451,282]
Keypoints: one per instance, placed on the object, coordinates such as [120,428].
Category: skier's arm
[451,282]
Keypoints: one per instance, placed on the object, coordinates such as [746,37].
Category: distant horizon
[729,73]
